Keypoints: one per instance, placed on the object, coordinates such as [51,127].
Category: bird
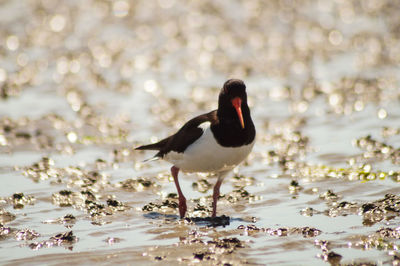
[213,142]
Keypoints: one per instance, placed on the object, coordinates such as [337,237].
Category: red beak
[237,103]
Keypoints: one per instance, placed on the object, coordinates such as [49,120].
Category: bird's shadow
[202,221]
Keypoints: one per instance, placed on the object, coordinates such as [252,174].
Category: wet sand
[83,83]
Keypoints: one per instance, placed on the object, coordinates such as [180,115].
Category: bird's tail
[153,146]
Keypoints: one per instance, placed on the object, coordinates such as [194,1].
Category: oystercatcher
[214,142]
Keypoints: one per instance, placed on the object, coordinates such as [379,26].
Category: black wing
[185,136]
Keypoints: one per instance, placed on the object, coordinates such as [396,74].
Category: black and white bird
[214,142]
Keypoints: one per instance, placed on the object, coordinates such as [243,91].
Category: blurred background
[83,82]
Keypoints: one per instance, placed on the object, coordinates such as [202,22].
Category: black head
[234,88]
[235,126]
[232,102]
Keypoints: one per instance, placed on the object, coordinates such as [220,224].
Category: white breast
[206,155]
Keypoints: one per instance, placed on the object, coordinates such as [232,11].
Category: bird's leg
[182,199]
[215,197]
[216,192]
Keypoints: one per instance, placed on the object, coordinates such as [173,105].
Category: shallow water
[82,84]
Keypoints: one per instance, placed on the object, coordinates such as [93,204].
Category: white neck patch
[204,125]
